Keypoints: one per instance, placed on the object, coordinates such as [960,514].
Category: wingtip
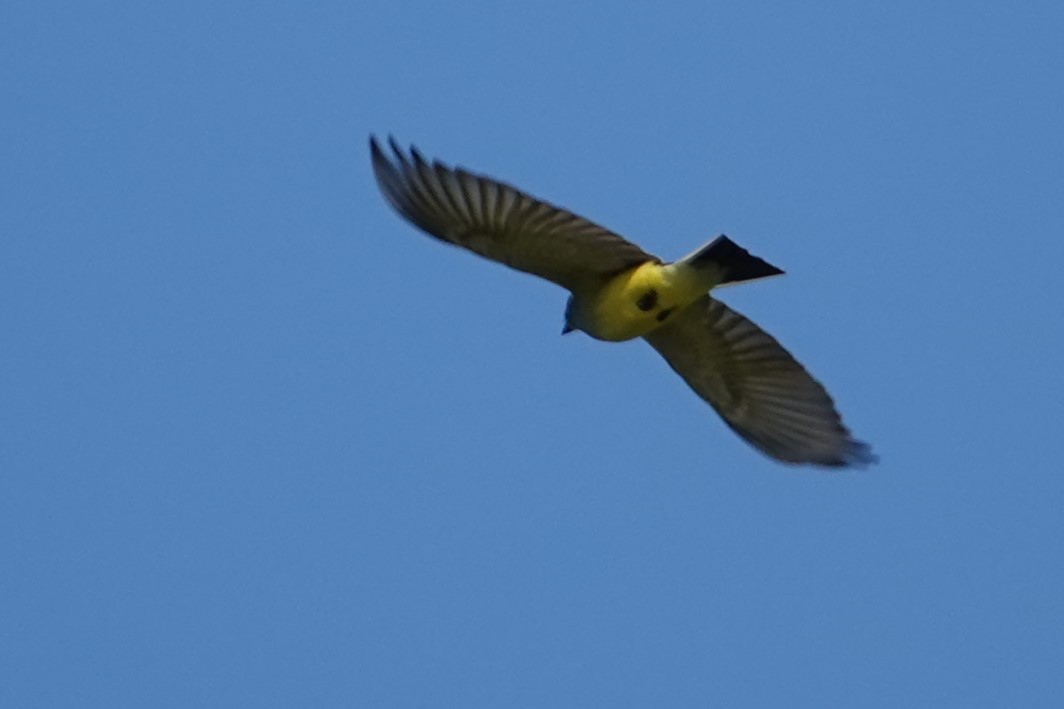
[374,147]
[858,454]
[418,158]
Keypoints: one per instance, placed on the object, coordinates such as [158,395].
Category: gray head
[570,314]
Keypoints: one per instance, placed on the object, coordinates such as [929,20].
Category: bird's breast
[640,300]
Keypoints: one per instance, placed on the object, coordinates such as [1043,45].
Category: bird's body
[639,300]
[620,292]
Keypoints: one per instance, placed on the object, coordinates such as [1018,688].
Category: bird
[618,292]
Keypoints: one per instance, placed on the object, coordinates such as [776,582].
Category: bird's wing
[759,389]
[499,222]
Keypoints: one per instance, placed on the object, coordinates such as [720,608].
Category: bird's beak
[567,329]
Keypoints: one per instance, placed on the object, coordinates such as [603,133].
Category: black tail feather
[737,262]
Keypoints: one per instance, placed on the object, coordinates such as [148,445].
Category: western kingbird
[619,292]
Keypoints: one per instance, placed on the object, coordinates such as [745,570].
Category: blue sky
[263,444]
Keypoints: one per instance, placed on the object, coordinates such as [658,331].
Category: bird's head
[570,315]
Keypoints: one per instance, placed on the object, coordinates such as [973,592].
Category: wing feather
[756,386]
[499,222]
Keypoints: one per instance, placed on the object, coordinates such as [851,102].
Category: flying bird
[619,292]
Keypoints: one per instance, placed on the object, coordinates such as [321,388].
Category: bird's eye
[647,301]
[664,314]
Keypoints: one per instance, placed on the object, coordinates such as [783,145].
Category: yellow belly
[614,311]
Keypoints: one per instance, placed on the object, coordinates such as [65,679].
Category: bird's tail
[736,262]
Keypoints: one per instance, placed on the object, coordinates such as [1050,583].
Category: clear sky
[264,444]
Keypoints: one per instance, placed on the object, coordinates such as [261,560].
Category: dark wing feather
[759,389]
[500,222]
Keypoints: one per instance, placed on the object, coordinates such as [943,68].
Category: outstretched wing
[499,222]
[759,389]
